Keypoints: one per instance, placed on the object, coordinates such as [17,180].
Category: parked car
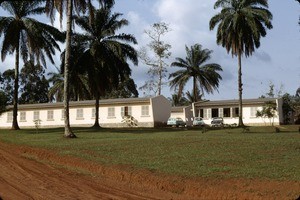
[217,122]
[198,121]
[176,122]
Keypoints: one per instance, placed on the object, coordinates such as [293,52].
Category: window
[111,112]
[22,116]
[9,117]
[79,113]
[235,112]
[226,112]
[62,114]
[145,110]
[36,115]
[93,113]
[126,111]
[207,113]
[200,113]
[50,114]
[253,111]
[215,112]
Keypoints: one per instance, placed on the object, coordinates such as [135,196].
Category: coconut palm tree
[26,37]
[205,76]
[241,24]
[107,50]
[61,6]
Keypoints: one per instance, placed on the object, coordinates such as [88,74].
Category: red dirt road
[31,173]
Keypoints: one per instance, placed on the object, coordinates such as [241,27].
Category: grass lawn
[224,153]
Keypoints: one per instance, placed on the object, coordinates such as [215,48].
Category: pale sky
[277,60]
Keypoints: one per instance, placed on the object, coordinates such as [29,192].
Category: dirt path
[31,173]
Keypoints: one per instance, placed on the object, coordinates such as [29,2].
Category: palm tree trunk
[96,124]
[240,86]
[68,132]
[195,89]
[15,125]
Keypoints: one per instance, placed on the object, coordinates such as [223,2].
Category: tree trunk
[15,125]
[160,76]
[240,86]
[68,132]
[195,89]
[96,124]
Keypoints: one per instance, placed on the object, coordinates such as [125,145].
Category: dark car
[217,122]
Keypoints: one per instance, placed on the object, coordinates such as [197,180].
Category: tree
[179,101]
[3,102]
[157,65]
[125,89]
[205,76]
[7,85]
[26,37]
[68,5]
[56,91]
[79,89]
[241,24]
[107,51]
[298,92]
[268,111]
[34,84]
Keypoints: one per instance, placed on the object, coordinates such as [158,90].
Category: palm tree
[241,24]
[26,37]
[68,5]
[205,76]
[107,50]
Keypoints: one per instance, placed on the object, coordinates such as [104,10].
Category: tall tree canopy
[26,37]
[34,85]
[241,24]
[80,6]
[161,51]
[205,76]
[7,84]
[107,51]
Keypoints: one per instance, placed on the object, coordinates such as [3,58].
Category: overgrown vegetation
[219,153]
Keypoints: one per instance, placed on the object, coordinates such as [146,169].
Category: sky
[277,61]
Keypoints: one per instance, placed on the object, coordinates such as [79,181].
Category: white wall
[161,109]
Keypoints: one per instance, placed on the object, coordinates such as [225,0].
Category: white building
[183,112]
[229,110]
[148,112]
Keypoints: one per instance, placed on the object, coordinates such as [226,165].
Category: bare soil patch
[32,173]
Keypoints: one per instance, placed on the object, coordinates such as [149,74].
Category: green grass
[225,153]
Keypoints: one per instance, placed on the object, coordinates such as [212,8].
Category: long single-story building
[229,111]
[147,112]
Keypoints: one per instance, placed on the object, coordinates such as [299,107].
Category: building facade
[229,110]
[147,112]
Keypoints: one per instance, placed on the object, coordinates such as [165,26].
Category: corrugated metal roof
[234,102]
[178,108]
[84,103]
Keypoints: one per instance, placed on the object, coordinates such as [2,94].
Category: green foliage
[3,102]
[205,76]
[241,24]
[268,111]
[7,79]
[179,101]
[34,84]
